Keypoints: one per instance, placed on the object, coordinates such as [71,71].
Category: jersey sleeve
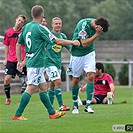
[20,38]
[46,34]
[110,79]
[6,40]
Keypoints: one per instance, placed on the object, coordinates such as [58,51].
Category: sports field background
[105,116]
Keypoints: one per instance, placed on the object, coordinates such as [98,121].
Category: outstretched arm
[67,42]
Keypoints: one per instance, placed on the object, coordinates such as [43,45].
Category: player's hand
[20,66]
[113,95]
[23,63]
[99,29]
[82,89]
[4,62]
[76,43]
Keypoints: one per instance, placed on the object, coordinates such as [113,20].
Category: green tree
[64,10]
[109,68]
[123,74]
[9,10]
[119,13]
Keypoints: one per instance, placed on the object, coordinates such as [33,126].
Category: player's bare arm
[6,55]
[67,42]
[88,41]
[18,53]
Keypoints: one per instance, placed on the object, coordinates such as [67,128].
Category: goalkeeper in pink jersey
[103,87]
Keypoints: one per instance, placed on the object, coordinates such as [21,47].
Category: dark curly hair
[103,22]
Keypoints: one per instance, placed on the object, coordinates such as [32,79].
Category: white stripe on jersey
[51,36]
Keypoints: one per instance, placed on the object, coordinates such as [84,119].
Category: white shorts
[84,63]
[35,76]
[53,73]
[69,69]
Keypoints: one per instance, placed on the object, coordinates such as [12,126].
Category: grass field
[101,121]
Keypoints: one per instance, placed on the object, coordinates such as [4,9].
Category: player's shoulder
[10,30]
[107,75]
[63,35]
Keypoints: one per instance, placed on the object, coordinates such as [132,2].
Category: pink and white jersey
[10,39]
[102,84]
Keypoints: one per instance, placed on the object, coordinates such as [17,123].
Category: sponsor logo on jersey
[57,48]
[30,55]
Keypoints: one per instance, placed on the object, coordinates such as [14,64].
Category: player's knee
[91,77]
[75,81]
[57,83]
[7,81]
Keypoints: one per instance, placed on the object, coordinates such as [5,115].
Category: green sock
[75,90]
[25,98]
[58,94]
[89,93]
[51,94]
[46,102]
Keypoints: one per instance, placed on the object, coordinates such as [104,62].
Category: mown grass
[101,121]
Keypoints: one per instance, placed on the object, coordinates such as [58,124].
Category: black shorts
[11,69]
[99,98]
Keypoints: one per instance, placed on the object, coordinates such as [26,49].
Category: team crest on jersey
[82,33]
[104,82]
[57,48]
[51,36]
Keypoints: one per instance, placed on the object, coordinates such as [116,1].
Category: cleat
[63,113]
[109,98]
[56,115]
[79,102]
[88,109]
[75,110]
[19,118]
[64,108]
[8,101]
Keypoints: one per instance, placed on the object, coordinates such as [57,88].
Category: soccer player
[10,40]
[44,22]
[53,64]
[103,87]
[83,57]
[34,36]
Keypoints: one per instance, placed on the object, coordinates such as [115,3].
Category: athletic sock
[84,102]
[58,93]
[75,90]
[51,94]
[25,98]
[7,90]
[46,102]
[89,93]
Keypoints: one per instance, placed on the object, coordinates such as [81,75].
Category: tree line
[118,12]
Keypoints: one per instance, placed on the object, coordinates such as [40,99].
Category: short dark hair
[100,66]
[37,11]
[103,22]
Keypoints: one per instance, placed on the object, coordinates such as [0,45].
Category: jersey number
[54,74]
[28,40]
